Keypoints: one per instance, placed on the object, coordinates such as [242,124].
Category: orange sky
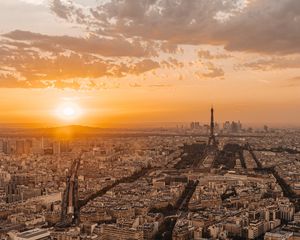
[139,62]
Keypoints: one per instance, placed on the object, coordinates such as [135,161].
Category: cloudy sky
[144,61]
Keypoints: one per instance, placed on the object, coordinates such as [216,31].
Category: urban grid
[203,181]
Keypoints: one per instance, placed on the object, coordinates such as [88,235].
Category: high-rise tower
[212,138]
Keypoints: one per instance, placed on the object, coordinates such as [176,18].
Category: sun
[68,111]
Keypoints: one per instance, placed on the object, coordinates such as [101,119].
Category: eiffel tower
[212,139]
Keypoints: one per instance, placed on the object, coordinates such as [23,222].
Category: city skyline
[127,63]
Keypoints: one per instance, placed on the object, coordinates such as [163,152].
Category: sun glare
[68,111]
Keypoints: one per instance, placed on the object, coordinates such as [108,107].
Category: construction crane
[70,214]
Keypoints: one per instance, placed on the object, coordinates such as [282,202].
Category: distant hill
[71,131]
[64,131]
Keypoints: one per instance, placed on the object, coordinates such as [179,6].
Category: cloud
[113,47]
[10,81]
[185,22]
[33,60]
[27,69]
[144,66]
[271,63]
[264,26]
[60,9]
[172,63]
[132,37]
[292,82]
[205,54]
[213,71]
